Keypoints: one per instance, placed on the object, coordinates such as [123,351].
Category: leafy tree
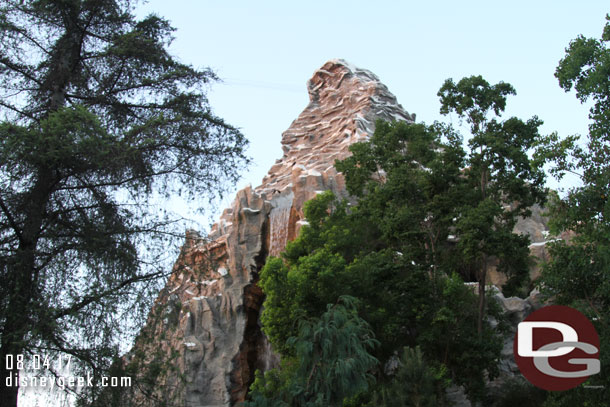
[97,118]
[421,179]
[502,181]
[392,252]
[578,272]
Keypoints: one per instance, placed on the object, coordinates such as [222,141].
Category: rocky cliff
[205,322]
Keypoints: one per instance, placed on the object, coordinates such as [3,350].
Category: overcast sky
[266,51]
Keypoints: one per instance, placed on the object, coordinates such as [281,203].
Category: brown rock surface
[205,322]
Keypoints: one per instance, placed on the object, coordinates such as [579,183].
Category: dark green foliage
[452,339]
[392,252]
[414,384]
[333,354]
[502,182]
[473,98]
[517,392]
[578,272]
[414,207]
[96,119]
[334,362]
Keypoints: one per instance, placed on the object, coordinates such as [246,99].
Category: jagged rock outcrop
[205,322]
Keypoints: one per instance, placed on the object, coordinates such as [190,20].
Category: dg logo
[557,348]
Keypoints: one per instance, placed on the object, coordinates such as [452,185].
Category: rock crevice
[206,321]
[214,339]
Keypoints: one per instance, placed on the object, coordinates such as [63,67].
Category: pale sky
[267,50]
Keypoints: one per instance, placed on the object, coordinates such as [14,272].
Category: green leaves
[333,361]
[415,383]
[392,251]
[502,182]
[333,354]
[577,273]
[474,98]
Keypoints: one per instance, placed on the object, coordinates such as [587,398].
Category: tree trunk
[483,270]
[18,322]
[482,278]
[8,394]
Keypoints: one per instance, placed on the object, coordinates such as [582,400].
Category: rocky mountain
[205,323]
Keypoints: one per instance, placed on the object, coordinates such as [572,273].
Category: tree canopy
[578,272]
[428,214]
[97,118]
[392,251]
[503,182]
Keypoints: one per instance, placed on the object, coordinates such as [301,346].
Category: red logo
[557,348]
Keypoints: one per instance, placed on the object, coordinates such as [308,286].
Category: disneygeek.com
[30,372]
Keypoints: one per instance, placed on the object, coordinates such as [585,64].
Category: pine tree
[97,117]
[332,362]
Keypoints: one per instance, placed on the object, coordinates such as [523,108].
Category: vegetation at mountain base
[578,272]
[428,215]
[97,119]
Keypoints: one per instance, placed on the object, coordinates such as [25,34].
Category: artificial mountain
[203,334]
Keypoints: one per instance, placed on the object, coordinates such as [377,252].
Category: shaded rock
[205,323]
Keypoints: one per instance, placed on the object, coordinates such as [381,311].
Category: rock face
[205,322]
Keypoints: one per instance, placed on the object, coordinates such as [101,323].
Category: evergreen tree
[333,361]
[413,384]
[97,118]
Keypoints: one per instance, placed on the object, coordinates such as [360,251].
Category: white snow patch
[222,271]
[537,244]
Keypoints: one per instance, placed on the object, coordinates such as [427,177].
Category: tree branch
[93,298]
[11,220]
